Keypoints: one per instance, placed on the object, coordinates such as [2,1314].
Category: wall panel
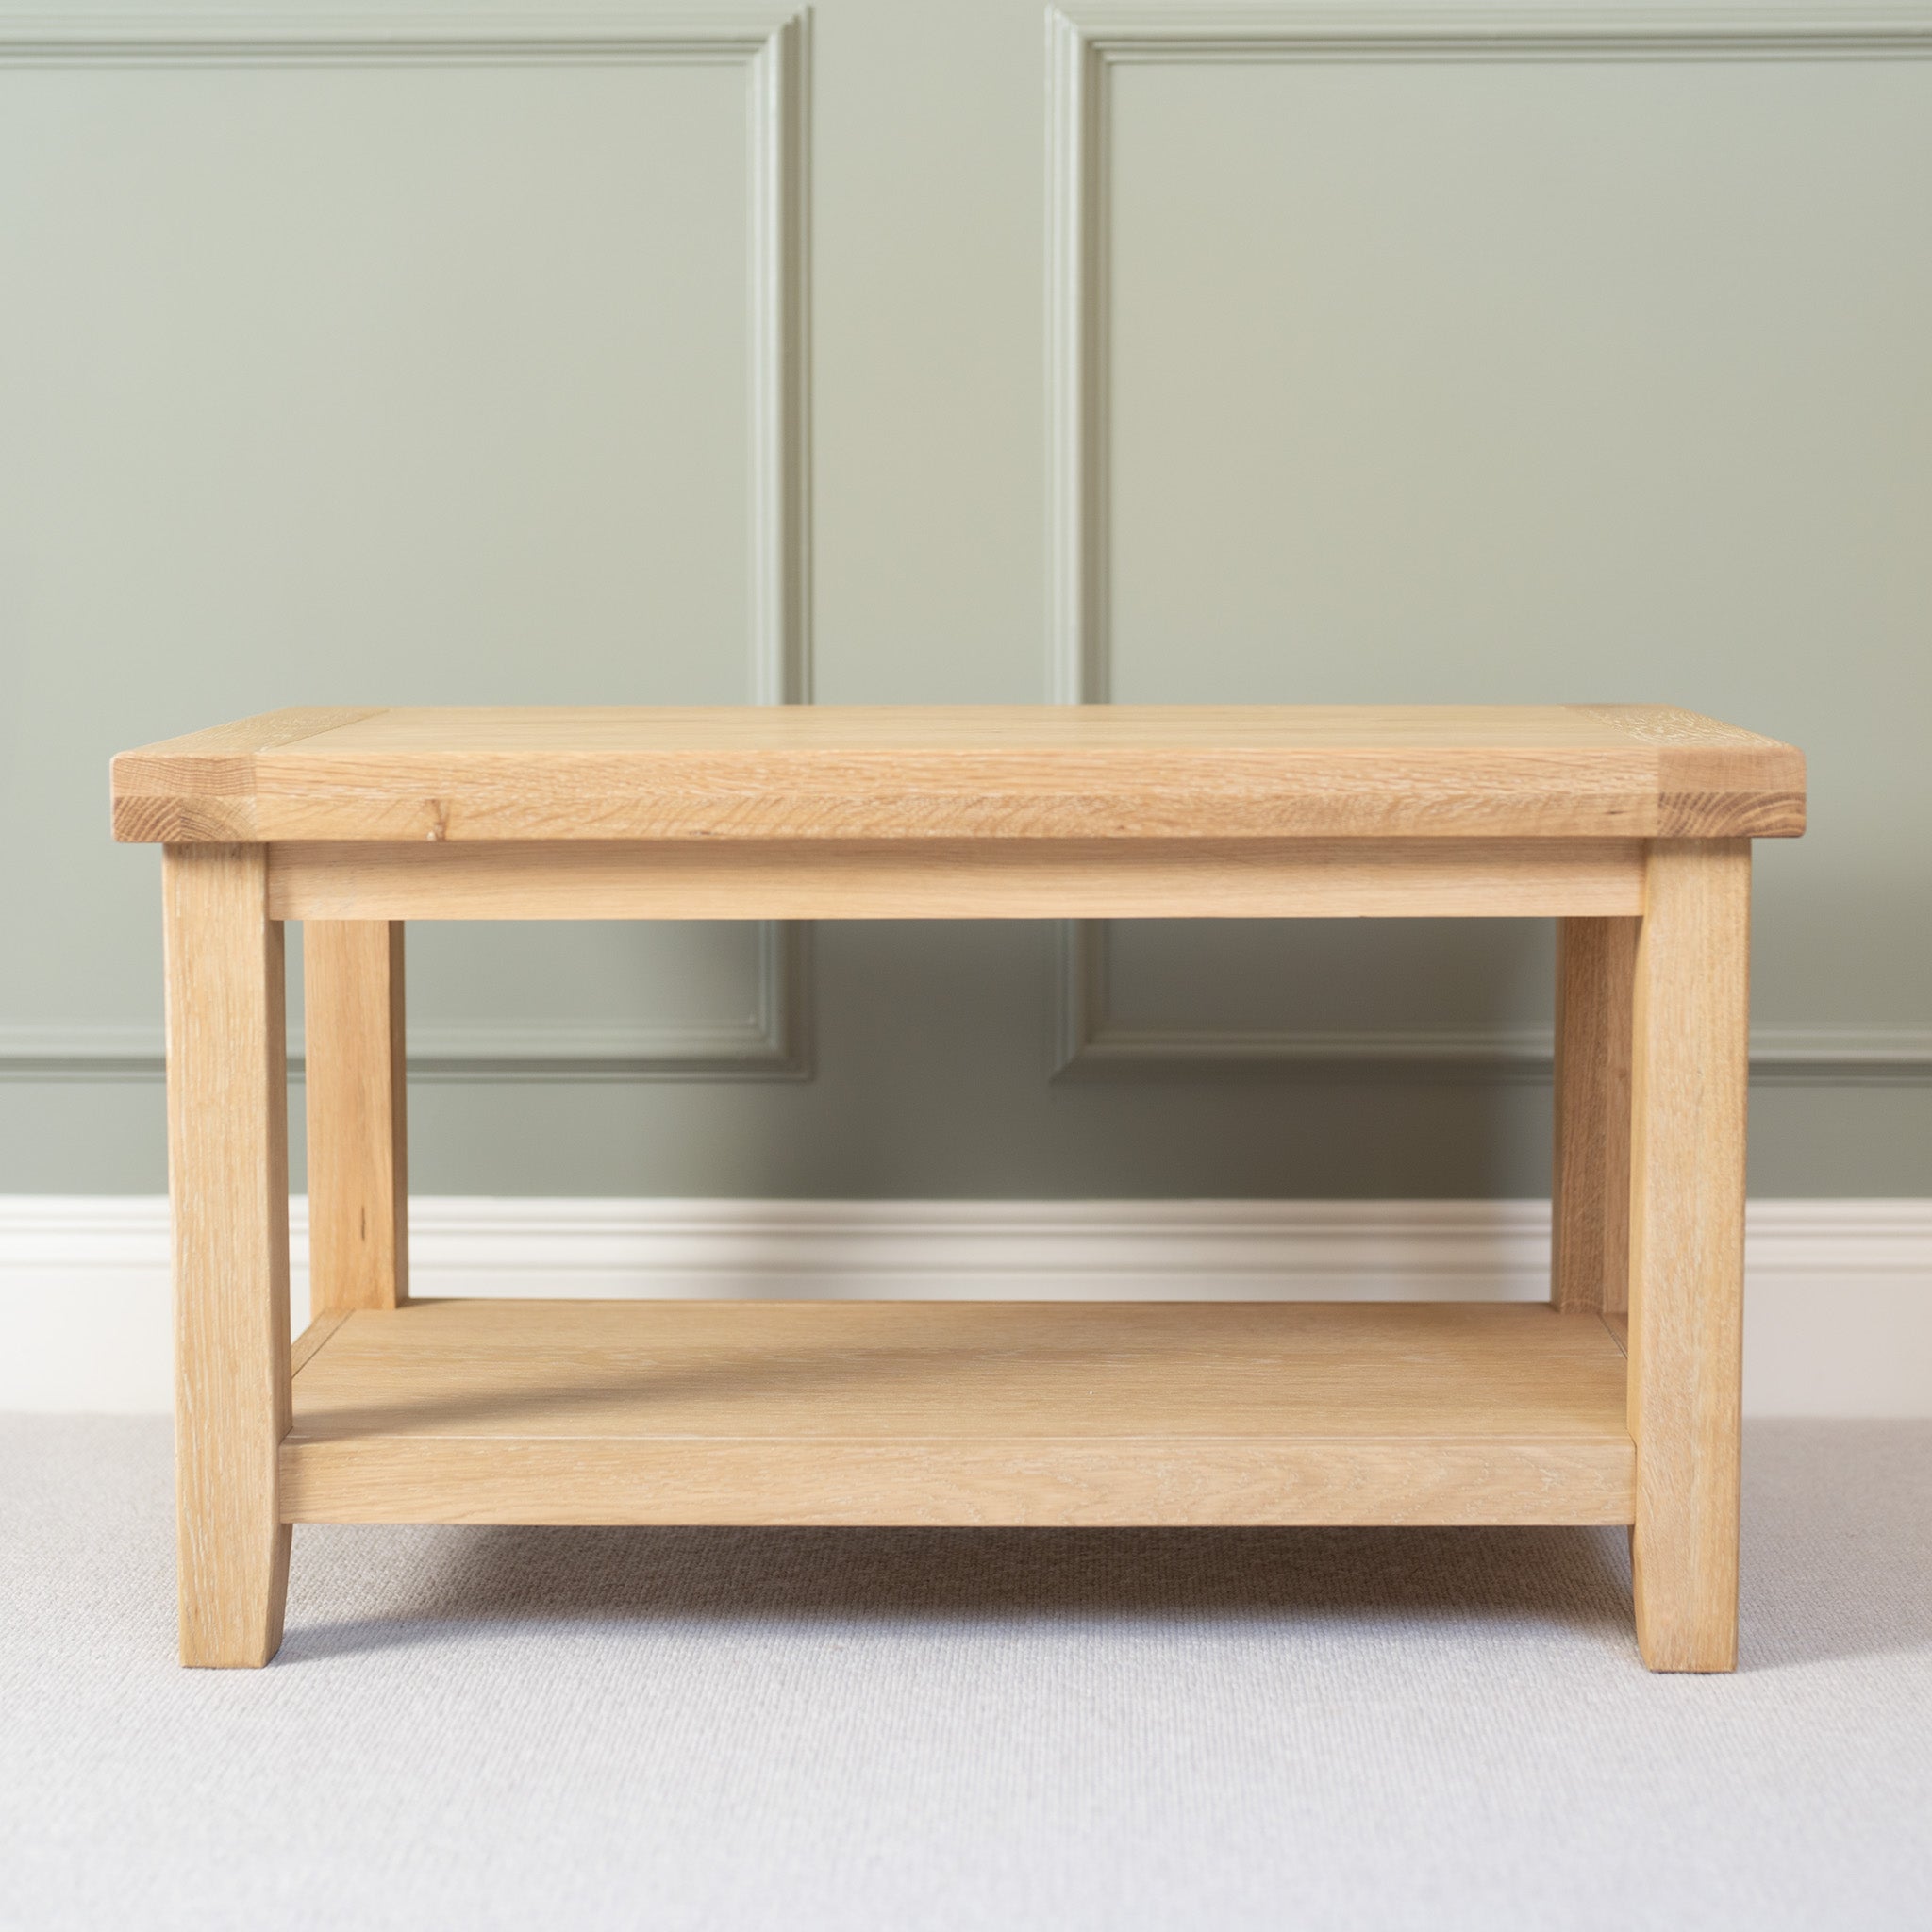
[416,360]
[1541,355]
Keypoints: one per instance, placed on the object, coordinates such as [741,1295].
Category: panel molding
[164,38]
[1084,45]
[773,48]
[1091,1044]
[773,1043]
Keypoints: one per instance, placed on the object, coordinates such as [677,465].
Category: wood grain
[935,879]
[311,1338]
[198,787]
[1715,780]
[1687,1240]
[1018,1485]
[1590,1231]
[938,771]
[936,1413]
[227,1158]
[960,1413]
[359,1189]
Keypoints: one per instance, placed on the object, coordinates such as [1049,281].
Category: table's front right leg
[1690,1054]
[228,1175]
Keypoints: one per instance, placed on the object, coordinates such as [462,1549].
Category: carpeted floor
[806,1729]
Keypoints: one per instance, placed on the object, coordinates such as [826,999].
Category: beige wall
[1136,361]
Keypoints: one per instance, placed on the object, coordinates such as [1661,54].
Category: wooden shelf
[959,1412]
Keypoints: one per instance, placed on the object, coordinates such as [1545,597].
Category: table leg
[228,1174]
[358,1192]
[1589,1193]
[1690,1041]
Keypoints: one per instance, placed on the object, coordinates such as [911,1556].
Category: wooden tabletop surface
[968,771]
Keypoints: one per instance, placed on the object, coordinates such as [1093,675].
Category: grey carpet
[805,1729]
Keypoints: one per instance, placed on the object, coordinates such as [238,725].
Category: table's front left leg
[228,1175]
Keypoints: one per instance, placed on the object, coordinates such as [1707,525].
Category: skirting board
[1838,1301]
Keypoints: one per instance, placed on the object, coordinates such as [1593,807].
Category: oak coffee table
[1615,1403]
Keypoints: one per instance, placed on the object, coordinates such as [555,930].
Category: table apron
[970,878]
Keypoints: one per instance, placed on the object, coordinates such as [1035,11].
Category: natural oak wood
[1689,1063]
[1048,1413]
[938,771]
[227,1158]
[936,878]
[311,1338]
[217,765]
[1628,823]
[359,1189]
[1715,780]
[1590,1200]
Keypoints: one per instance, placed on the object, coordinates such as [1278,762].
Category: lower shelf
[1041,1414]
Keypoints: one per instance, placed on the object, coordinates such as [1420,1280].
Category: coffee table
[1615,1403]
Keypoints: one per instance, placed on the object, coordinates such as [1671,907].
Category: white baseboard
[1839,1296]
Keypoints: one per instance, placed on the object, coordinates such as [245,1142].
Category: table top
[961,771]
